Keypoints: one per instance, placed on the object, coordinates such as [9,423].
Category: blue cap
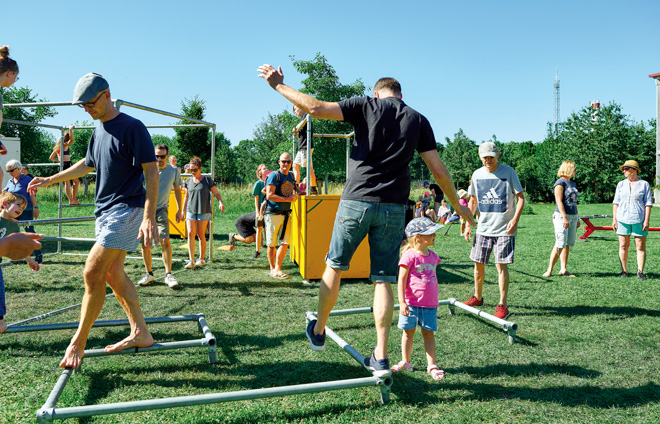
[422,226]
[88,87]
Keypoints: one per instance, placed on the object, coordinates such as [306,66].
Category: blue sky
[484,66]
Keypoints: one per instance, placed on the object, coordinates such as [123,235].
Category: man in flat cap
[122,153]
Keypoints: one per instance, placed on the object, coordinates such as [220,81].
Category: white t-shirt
[495,192]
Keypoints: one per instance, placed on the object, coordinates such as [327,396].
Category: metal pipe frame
[48,412]
[57,220]
[509,327]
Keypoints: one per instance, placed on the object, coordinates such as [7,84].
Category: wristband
[36,207]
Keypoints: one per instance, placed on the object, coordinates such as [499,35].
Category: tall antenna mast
[556,100]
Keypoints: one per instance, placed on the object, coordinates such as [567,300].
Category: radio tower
[556,100]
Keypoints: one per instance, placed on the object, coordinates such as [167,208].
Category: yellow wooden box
[180,228]
[311,229]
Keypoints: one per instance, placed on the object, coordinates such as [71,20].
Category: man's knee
[164,242]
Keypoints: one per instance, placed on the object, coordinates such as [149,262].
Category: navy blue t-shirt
[570,196]
[117,150]
[387,133]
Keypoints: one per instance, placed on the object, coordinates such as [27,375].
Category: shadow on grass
[519,340]
[583,310]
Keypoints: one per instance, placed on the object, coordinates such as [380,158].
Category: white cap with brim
[88,87]
[488,148]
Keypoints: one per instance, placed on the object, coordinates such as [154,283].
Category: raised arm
[317,108]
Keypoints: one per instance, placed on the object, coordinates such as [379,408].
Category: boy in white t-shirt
[494,191]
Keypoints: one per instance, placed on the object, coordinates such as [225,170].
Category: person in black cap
[122,153]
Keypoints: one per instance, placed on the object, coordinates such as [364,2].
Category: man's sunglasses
[161,156]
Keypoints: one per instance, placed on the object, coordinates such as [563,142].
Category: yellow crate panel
[313,218]
[175,229]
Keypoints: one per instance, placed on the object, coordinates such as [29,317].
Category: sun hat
[88,87]
[421,226]
[488,148]
[462,194]
[630,164]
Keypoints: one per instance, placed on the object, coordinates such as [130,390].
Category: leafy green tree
[36,144]
[193,141]
[225,166]
[461,156]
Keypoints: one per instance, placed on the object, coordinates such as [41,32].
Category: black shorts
[245,224]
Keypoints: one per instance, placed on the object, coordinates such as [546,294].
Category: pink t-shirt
[422,289]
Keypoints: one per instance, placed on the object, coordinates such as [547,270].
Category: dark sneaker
[501,311]
[232,240]
[316,341]
[473,301]
[313,191]
[623,274]
[39,259]
[640,275]
[379,368]
[256,254]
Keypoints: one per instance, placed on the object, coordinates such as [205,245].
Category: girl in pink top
[418,294]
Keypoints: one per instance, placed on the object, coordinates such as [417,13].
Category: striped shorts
[119,227]
[484,245]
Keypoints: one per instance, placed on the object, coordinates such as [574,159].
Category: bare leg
[563,260]
[328,293]
[146,257]
[624,244]
[503,280]
[246,240]
[67,191]
[167,254]
[192,232]
[127,296]
[201,229]
[96,269]
[3,326]
[259,237]
[281,254]
[270,252]
[296,173]
[407,344]
[640,244]
[479,276]
[383,310]
[429,346]
[554,256]
[74,189]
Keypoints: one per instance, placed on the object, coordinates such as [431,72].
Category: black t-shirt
[302,136]
[387,133]
[438,192]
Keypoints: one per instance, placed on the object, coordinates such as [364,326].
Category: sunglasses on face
[285,161]
[193,169]
[161,156]
[12,170]
[93,102]
[627,169]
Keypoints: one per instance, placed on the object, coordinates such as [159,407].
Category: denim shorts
[198,217]
[382,222]
[426,318]
[631,229]
[119,227]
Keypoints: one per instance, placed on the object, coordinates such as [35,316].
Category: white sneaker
[146,280]
[171,281]
[190,265]
[200,262]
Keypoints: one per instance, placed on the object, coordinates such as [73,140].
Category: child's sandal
[403,365]
[436,373]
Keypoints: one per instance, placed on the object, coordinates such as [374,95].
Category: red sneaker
[473,301]
[501,311]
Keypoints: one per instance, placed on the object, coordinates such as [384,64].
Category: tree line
[597,141]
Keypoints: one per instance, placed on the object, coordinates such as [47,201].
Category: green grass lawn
[586,350]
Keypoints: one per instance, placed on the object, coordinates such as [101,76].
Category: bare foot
[72,357]
[74,203]
[141,339]
[547,273]
[3,326]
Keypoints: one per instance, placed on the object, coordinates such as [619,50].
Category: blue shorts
[631,229]
[382,222]
[198,216]
[427,318]
[119,227]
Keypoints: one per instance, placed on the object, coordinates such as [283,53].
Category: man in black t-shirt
[387,133]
